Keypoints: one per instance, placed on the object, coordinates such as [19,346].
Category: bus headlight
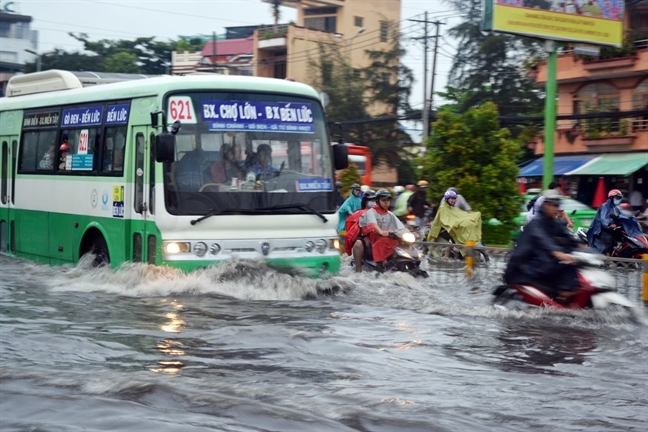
[335,244]
[200,249]
[177,247]
[321,245]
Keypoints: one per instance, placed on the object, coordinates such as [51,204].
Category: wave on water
[241,279]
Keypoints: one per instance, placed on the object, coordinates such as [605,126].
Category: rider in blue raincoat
[608,217]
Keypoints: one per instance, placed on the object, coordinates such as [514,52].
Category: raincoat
[350,206]
[604,218]
[353,230]
[382,247]
[462,226]
[400,208]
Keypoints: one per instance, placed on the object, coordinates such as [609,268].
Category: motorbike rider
[351,205]
[353,233]
[462,226]
[537,205]
[377,223]
[418,204]
[601,234]
[541,251]
[460,201]
[400,206]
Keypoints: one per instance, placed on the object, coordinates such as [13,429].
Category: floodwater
[240,347]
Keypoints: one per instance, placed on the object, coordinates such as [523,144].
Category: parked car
[581,214]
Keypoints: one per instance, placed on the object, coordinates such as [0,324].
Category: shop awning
[562,165]
[622,164]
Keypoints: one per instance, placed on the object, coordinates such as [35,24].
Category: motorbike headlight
[409,237]
[214,249]
[403,253]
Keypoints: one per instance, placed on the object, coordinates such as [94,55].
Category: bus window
[3,171]
[113,151]
[82,144]
[35,146]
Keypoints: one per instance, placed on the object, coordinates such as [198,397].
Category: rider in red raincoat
[352,227]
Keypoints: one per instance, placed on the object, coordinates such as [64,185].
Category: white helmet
[364,188]
[398,189]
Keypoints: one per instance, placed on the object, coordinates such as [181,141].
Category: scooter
[406,258]
[596,289]
[627,247]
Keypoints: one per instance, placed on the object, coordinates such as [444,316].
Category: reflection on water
[533,348]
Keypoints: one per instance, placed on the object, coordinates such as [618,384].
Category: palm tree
[276,13]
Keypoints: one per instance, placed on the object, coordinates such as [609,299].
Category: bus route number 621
[181,108]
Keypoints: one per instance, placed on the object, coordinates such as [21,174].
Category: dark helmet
[338,185]
[383,193]
[264,148]
[369,195]
[355,186]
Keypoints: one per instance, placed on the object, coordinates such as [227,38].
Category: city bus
[361,157]
[123,171]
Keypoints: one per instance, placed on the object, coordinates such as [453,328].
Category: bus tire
[99,249]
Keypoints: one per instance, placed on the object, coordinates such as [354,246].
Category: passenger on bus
[263,163]
[227,168]
[48,159]
[63,150]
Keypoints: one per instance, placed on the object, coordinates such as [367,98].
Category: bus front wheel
[99,249]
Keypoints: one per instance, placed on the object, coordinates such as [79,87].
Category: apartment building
[614,144]
[16,35]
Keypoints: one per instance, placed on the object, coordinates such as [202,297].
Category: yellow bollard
[645,277]
[470,261]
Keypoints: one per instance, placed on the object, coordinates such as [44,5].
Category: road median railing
[489,263]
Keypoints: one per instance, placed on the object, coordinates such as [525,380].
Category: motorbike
[596,289]
[627,246]
[406,258]
[455,252]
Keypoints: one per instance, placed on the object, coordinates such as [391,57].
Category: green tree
[491,66]
[60,59]
[348,177]
[471,152]
[122,62]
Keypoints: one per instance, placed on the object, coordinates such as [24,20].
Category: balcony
[272,39]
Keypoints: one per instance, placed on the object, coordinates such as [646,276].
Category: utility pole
[434,62]
[214,52]
[425,114]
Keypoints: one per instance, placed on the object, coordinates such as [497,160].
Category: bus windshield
[248,151]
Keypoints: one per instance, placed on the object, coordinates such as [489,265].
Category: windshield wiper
[304,207]
[222,211]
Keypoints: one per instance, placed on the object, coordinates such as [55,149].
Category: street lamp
[38,58]
[350,41]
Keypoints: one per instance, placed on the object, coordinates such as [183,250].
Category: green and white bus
[88,165]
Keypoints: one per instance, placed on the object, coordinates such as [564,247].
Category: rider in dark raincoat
[608,217]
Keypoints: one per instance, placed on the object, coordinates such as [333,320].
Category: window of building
[596,98]
[327,24]
[640,102]
[358,21]
[384,31]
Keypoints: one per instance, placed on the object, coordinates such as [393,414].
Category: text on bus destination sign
[282,112]
[117,114]
[82,116]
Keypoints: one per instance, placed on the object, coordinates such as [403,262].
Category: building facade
[16,36]
[606,99]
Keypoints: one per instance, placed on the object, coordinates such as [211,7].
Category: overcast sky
[119,19]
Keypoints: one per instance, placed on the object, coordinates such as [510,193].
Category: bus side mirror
[165,147]
[340,156]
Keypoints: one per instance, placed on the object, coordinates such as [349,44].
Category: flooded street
[239,347]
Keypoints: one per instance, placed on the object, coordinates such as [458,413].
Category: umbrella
[600,195]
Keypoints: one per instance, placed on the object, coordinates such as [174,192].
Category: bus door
[8,149]
[142,194]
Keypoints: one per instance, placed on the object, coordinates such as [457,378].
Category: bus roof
[151,87]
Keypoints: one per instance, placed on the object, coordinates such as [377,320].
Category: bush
[496,235]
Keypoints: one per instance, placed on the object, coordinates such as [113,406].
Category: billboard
[598,22]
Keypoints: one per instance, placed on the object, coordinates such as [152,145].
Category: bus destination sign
[117,114]
[90,116]
[285,117]
[41,119]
